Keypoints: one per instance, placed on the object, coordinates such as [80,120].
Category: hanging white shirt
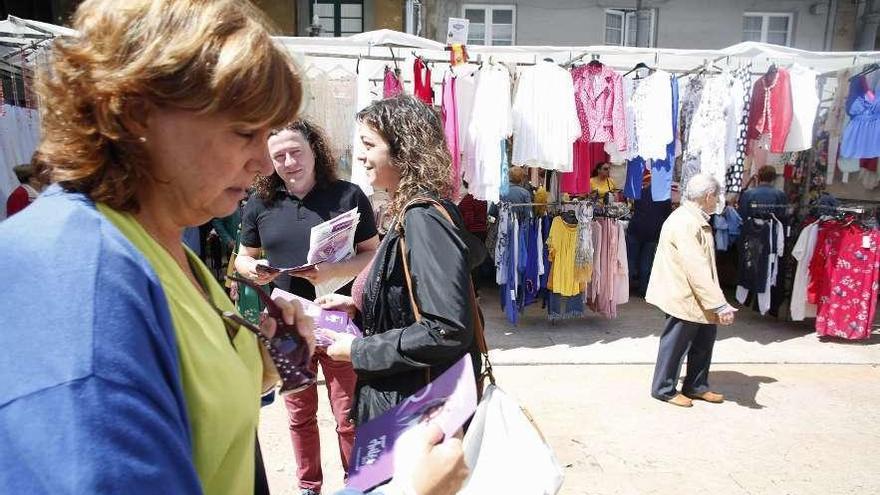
[545,120]
[734,118]
[803,252]
[650,105]
[804,102]
[490,124]
[465,88]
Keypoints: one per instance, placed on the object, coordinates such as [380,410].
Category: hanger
[394,59]
[594,62]
[338,68]
[708,66]
[640,65]
[867,70]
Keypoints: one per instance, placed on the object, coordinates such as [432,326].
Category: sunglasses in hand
[288,350]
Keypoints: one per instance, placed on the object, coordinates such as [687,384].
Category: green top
[221,383]
[228,228]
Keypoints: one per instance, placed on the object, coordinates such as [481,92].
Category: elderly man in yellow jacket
[684,285]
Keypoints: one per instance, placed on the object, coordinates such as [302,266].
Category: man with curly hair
[304,192]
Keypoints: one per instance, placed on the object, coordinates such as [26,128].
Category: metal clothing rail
[554,203]
[771,205]
[844,209]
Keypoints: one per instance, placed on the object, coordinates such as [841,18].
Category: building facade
[711,24]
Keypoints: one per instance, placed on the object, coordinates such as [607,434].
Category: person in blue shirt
[764,198]
[123,368]
[643,234]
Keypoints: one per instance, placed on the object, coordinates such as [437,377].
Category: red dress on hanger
[586,157]
[422,80]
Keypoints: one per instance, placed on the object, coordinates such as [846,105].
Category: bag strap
[479,330]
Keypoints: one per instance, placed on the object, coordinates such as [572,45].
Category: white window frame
[413,18]
[337,17]
[765,24]
[488,8]
[628,16]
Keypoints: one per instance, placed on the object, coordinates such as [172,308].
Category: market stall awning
[356,43]
[760,55]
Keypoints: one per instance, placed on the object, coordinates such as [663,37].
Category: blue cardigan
[91,400]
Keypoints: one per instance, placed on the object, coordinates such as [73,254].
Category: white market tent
[21,41]
[384,43]
[18,35]
[21,38]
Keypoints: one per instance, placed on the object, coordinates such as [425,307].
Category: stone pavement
[802,415]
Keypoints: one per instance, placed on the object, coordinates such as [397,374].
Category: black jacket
[397,355]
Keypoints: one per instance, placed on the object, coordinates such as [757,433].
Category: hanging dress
[422,81]
[391,86]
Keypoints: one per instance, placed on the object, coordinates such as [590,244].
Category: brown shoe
[708,397]
[681,401]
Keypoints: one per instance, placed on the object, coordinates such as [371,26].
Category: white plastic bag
[505,451]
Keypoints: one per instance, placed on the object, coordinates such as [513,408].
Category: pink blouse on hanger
[391,86]
[598,92]
[449,113]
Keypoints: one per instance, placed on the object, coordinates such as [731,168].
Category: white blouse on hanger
[737,97]
[545,120]
[465,88]
[490,125]
[650,105]
[709,107]
[804,102]
[330,103]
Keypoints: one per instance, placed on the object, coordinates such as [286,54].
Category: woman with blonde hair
[404,153]
[125,369]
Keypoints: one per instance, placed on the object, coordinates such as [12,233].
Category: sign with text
[458,31]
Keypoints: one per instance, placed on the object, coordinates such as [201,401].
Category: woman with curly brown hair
[404,152]
[303,192]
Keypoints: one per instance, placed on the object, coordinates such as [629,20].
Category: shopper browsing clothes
[684,285]
[642,235]
[404,151]
[302,192]
[765,197]
[32,181]
[601,183]
[119,373]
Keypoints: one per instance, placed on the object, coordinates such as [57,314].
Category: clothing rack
[842,209]
[771,205]
[479,61]
[553,203]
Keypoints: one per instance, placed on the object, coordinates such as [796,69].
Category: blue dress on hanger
[861,138]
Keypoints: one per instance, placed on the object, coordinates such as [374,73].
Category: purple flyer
[448,402]
[335,321]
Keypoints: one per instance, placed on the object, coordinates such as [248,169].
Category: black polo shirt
[283,228]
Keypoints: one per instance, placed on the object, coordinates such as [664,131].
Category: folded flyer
[448,402]
[335,321]
[332,242]
[295,269]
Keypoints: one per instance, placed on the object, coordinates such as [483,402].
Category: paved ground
[802,416]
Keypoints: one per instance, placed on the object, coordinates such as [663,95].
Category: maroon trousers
[302,411]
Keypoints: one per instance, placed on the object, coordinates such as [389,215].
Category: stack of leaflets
[332,242]
[335,321]
[448,402]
